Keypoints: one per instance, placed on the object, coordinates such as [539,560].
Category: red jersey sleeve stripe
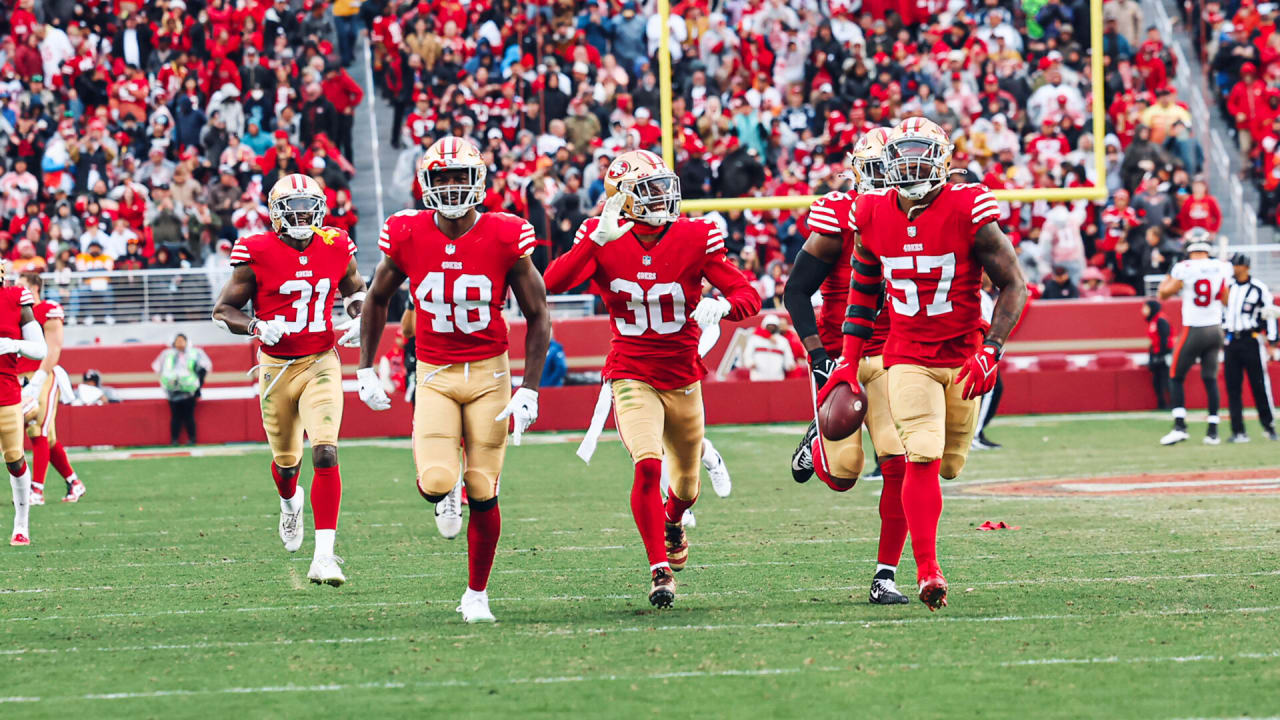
[824,224]
[26,299]
[581,234]
[55,312]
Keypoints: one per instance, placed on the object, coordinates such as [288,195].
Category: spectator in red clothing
[1201,210]
[345,96]
[1247,103]
[649,131]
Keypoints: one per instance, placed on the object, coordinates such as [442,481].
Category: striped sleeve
[55,312]
[26,298]
[527,240]
[822,218]
[351,246]
[985,208]
[384,236]
[715,238]
[581,234]
[240,254]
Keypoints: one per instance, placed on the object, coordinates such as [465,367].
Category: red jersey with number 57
[830,215]
[651,283]
[458,285]
[932,277]
[12,300]
[297,286]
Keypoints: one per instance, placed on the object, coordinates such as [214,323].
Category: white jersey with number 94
[1203,280]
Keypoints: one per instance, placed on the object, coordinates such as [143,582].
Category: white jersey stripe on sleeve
[27,298]
[983,218]
[55,312]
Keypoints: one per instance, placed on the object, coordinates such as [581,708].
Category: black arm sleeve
[806,277]
[1162,328]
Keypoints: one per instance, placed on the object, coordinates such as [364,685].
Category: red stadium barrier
[1051,331]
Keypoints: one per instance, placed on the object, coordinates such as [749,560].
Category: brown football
[842,411]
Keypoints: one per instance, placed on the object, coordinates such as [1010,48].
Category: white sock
[664,481]
[710,458]
[21,494]
[324,542]
[71,480]
[293,504]
[475,594]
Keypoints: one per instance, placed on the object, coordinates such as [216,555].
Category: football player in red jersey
[929,240]
[648,269]
[290,274]
[460,263]
[20,338]
[40,397]
[824,263]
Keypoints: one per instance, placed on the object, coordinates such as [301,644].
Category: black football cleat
[884,591]
[1271,434]
[987,443]
[677,546]
[802,458]
[663,592]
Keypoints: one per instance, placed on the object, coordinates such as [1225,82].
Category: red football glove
[844,373]
[979,372]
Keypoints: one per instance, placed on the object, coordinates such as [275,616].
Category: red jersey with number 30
[43,310]
[297,286]
[650,289]
[459,285]
[932,277]
[12,300]
[829,215]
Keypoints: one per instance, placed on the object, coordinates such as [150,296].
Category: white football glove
[609,228]
[371,391]
[524,408]
[350,330]
[710,310]
[8,346]
[270,331]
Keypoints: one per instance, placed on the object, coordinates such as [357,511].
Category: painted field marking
[1249,482]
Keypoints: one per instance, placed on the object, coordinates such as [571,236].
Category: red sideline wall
[1049,331]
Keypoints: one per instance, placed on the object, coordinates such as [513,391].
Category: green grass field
[166,593]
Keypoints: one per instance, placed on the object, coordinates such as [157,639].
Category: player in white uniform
[1202,282]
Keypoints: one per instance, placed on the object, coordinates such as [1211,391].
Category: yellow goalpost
[1098,192]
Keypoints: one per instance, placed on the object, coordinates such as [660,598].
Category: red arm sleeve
[571,269]
[743,299]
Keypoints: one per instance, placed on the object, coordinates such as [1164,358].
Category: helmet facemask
[869,174]
[297,215]
[452,199]
[915,165]
[655,200]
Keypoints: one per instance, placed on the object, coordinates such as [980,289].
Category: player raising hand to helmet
[648,265]
[291,274]
[460,264]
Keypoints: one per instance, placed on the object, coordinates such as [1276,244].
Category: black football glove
[822,366]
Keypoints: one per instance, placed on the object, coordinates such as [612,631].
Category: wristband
[999,346]
[352,298]
[252,324]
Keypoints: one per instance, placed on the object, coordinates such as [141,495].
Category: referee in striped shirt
[1248,330]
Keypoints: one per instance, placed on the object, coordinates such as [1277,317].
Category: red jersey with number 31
[829,215]
[932,277]
[297,286]
[458,285]
[12,299]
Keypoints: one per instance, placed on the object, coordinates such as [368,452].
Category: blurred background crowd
[142,135]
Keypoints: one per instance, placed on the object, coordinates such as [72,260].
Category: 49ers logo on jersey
[618,169]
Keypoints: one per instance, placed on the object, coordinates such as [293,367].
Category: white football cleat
[449,513]
[291,526]
[688,520]
[324,569]
[716,468]
[20,540]
[475,607]
[75,492]
[1174,437]
[36,497]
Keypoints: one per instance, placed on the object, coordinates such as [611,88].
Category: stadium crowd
[143,135]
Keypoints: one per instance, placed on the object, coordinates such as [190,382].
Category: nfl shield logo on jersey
[647,260]
[450,249]
[911,231]
[302,259]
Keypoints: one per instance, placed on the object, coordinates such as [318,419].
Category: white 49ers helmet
[652,191]
[452,173]
[917,157]
[866,162]
[296,206]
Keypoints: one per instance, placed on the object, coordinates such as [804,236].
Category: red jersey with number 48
[297,286]
[932,277]
[43,310]
[650,289]
[458,286]
[829,215]
[12,299]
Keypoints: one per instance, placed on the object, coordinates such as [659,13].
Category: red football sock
[326,497]
[39,461]
[483,530]
[893,522]
[58,456]
[676,506]
[922,504]
[287,487]
[646,507]
[835,483]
